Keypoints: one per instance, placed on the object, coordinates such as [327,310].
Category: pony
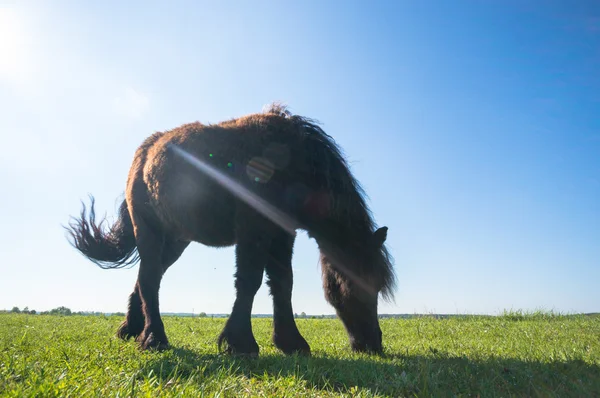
[251,182]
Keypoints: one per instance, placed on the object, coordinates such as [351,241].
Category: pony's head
[353,278]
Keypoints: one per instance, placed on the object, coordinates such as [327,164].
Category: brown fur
[289,162]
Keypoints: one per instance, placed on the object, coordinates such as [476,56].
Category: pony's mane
[331,171]
[277,108]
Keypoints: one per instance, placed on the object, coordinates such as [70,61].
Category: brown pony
[249,182]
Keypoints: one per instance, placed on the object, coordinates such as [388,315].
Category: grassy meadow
[513,355]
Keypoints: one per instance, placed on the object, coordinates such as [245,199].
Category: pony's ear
[380,236]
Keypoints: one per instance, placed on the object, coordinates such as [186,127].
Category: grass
[511,355]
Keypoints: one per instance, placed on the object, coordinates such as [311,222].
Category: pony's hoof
[297,345]
[250,355]
[362,349]
[301,352]
[125,331]
[238,348]
[304,352]
[152,343]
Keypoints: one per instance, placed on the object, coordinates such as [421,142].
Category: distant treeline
[66,312]
[57,311]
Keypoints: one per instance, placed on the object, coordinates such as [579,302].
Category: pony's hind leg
[251,255]
[133,325]
[134,321]
[150,245]
[286,336]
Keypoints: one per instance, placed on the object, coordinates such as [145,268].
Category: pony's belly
[194,208]
[212,222]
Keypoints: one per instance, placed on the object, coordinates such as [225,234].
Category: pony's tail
[112,248]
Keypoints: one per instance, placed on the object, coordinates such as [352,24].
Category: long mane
[349,201]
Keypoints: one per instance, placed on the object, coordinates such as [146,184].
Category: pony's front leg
[286,336]
[251,254]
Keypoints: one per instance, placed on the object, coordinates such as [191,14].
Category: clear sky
[474,126]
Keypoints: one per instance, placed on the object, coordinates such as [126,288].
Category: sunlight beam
[250,198]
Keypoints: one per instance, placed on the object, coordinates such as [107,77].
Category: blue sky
[474,127]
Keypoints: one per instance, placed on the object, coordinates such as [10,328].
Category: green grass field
[513,355]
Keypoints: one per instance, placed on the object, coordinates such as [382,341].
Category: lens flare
[260,169]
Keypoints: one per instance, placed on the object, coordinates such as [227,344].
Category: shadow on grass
[393,374]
